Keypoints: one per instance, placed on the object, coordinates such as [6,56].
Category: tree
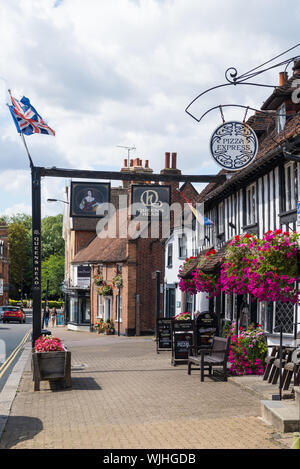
[19,258]
[52,240]
[53,270]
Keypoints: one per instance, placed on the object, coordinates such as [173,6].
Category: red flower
[246,235]
[237,238]
[278,231]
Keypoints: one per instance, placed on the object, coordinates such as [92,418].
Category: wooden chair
[286,358]
[270,361]
[217,355]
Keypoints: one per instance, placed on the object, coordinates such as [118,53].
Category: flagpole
[24,142]
[36,245]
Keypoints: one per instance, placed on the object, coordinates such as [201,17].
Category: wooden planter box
[51,366]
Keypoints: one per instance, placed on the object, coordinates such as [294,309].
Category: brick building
[4,265]
[135,258]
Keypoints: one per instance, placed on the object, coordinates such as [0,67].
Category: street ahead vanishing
[12,338]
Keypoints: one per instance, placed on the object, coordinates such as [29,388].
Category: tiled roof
[211,263]
[103,250]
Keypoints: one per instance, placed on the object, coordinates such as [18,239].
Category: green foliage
[20,240]
[19,253]
[53,270]
[52,240]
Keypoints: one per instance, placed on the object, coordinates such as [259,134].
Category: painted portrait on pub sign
[86,197]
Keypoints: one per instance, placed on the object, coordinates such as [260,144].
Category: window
[119,269]
[281,118]
[188,302]
[119,307]
[221,217]
[170,255]
[279,314]
[182,247]
[291,185]
[100,307]
[251,215]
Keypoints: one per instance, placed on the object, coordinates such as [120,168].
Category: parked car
[1,312]
[13,313]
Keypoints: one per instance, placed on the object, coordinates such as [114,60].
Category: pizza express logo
[234,145]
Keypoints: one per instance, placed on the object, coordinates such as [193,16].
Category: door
[170,302]
[107,308]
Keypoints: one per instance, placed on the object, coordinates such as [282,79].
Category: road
[12,337]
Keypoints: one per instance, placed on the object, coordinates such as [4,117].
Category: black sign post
[36,254]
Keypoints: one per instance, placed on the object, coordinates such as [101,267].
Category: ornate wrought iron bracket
[233,79]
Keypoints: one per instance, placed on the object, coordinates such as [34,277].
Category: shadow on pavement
[19,429]
[82,384]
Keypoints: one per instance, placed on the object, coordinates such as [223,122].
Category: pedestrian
[47,315]
[53,316]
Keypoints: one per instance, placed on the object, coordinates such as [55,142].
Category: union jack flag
[27,119]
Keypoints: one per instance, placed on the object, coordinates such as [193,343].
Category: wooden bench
[286,358]
[216,356]
[269,361]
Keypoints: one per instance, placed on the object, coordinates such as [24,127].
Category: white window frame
[99,307]
[281,118]
[251,206]
[182,246]
[119,298]
[290,202]
[221,217]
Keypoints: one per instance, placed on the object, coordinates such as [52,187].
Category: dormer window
[281,118]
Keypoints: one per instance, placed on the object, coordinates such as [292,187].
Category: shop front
[78,309]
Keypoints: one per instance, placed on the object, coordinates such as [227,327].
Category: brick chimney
[171,170]
[136,166]
[283,78]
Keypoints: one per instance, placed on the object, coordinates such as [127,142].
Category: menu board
[164,333]
[182,343]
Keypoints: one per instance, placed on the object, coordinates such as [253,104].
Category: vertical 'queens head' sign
[234,145]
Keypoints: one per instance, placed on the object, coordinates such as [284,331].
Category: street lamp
[57,200]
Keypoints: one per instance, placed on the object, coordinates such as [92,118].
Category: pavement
[126,396]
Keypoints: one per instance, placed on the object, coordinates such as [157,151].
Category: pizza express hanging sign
[234,145]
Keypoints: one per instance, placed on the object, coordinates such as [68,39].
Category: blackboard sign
[164,334]
[182,340]
[182,343]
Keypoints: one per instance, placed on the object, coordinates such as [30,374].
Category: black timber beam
[128,176]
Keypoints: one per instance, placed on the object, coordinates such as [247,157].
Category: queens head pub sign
[150,201]
[86,197]
[234,145]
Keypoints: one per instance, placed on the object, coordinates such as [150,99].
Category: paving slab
[125,395]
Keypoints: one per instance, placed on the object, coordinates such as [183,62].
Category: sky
[105,74]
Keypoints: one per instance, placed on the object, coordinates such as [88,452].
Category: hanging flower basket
[187,284]
[117,281]
[98,280]
[265,268]
[206,282]
[105,290]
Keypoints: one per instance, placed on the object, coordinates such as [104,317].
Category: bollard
[296,442]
